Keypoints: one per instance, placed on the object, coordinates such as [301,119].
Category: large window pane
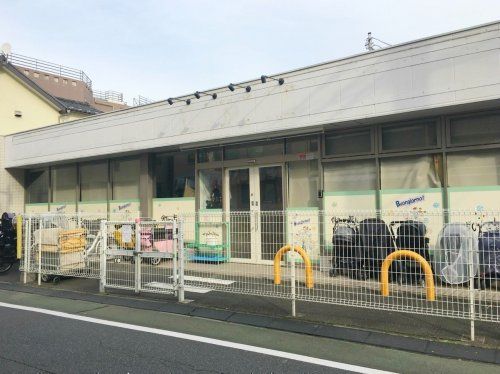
[125,175]
[94,181]
[37,186]
[211,189]
[303,181]
[63,180]
[252,150]
[474,168]
[175,175]
[342,143]
[414,136]
[478,130]
[411,172]
[359,175]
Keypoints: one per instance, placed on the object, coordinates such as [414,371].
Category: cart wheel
[45,278]
[56,280]
[155,261]
[118,260]
[5,267]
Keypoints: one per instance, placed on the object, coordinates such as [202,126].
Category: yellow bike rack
[305,257]
[404,253]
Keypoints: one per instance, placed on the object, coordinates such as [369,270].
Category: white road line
[166,286]
[201,339]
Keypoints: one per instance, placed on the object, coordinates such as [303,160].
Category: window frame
[448,126]
[370,129]
[111,194]
[156,156]
[434,120]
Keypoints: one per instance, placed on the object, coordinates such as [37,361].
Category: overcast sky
[162,49]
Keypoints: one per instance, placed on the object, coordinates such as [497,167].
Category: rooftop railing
[48,67]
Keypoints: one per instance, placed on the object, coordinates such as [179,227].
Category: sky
[161,49]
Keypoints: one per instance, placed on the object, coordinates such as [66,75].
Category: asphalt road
[90,337]
[38,343]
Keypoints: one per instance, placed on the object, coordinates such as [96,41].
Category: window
[26,72]
[73,83]
[94,181]
[402,137]
[211,189]
[476,130]
[125,176]
[65,81]
[299,146]
[253,150]
[474,168]
[46,77]
[303,184]
[175,175]
[343,143]
[63,180]
[411,172]
[36,75]
[56,79]
[358,175]
[209,155]
[37,186]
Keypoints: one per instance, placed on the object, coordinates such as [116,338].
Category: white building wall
[11,187]
[444,71]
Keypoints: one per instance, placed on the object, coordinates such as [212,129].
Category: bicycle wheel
[5,267]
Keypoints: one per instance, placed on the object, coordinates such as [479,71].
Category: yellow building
[24,105]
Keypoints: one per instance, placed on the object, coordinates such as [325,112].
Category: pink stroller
[160,240]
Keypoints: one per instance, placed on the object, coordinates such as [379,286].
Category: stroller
[348,253]
[8,242]
[377,242]
[489,253]
[456,253]
[410,235]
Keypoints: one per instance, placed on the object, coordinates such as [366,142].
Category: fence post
[30,243]
[472,292]
[180,252]
[137,257]
[26,253]
[291,256]
[175,266]
[103,255]
[40,228]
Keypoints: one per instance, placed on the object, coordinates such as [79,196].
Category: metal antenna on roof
[370,44]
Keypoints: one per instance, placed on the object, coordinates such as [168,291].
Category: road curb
[409,344]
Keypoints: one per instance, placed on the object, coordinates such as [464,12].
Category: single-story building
[415,125]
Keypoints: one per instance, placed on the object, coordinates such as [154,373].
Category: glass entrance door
[255,201]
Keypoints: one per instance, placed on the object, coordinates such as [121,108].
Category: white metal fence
[442,263]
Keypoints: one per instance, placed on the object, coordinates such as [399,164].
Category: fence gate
[142,256]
